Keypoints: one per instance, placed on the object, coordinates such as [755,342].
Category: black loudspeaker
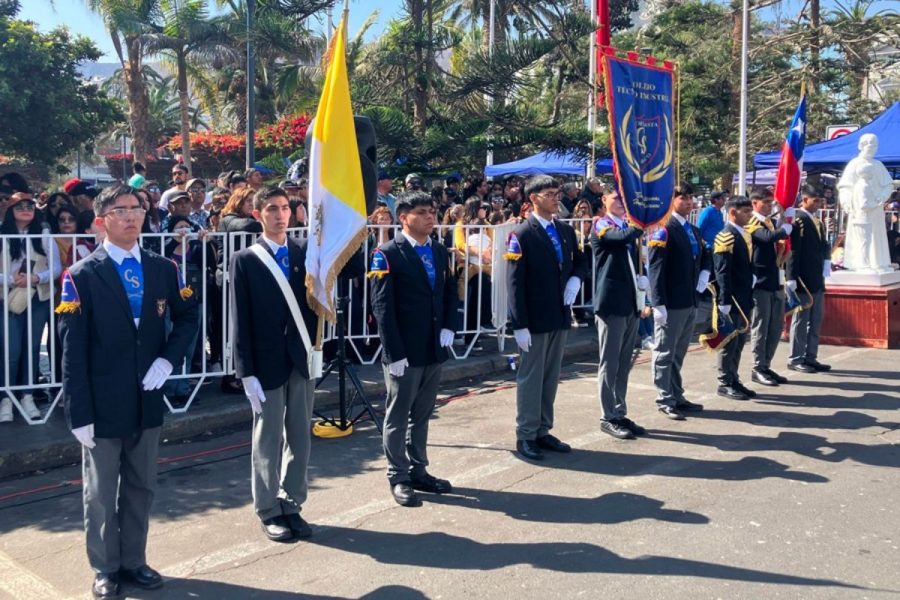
[368,157]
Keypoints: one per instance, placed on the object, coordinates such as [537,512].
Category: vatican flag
[337,203]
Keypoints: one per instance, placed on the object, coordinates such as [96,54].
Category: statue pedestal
[860,310]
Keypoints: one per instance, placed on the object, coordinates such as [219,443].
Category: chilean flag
[787,183]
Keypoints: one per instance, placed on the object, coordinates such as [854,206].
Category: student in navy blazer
[414,299]
[116,357]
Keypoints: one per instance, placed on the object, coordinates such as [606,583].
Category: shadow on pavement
[191,589]
[747,468]
[842,419]
[616,507]
[804,444]
[443,551]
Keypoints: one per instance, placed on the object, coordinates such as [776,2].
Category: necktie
[695,247]
[557,244]
[284,261]
[132,275]
[427,257]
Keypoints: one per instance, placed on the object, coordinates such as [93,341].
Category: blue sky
[77,17]
[75,14]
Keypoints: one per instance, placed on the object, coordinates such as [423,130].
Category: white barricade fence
[31,281]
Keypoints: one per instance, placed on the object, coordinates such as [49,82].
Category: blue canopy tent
[548,163]
[834,154]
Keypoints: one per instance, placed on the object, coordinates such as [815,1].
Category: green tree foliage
[48,110]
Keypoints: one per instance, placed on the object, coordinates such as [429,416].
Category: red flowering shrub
[285,136]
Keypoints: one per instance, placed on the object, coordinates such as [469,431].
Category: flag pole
[745,51]
[489,157]
[592,95]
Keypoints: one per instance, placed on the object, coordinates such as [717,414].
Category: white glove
[788,228]
[702,281]
[573,286]
[755,279]
[725,309]
[791,285]
[85,435]
[642,283]
[523,339]
[790,213]
[660,314]
[254,391]
[398,367]
[157,374]
[826,269]
[446,338]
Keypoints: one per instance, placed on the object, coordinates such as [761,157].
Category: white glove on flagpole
[702,281]
[660,314]
[85,436]
[788,228]
[725,309]
[157,374]
[446,338]
[573,286]
[398,368]
[254,392]
[791,285]
[826,269]
[642,283]
[523,339]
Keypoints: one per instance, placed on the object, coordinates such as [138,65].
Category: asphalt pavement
[792,495]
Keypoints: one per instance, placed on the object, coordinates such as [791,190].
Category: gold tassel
[512,256]
[68,308]
[377,274]
[186,293]
[657,244]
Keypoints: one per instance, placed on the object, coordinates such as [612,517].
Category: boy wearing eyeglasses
[116,357]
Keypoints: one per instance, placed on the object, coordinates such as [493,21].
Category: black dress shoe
[747,391]
[143,577]
[405,495]
[802,368]
[670,412]
[277,529]
[299,527]
[553,444]
[818,366]
[632,426]
[779,378]
[529,449]
[732,393]
[106,585]
[617,431]
[685,405]
[763,378]
[431,484]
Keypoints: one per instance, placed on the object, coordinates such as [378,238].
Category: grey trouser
[410,402]
[119,482]
[536,383]
[280,449]
[671,345]
[768,322]
[729,359]
[616,336]
[805,327]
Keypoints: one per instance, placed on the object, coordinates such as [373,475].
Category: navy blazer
[410,313]
[615,293]
[734,270]
[673,269]
[809,251]
[105,357]
[765,252]
[535,278]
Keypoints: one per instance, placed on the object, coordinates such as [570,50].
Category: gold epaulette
[754,224]
[724,242]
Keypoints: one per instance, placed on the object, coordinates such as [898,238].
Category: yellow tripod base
[323,429]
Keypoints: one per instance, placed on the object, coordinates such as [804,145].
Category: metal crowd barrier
[30,345]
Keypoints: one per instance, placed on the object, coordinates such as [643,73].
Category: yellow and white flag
[337,202]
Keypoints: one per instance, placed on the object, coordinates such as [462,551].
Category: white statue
[863,189]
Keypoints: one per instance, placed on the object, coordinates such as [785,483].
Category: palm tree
[125,21]
[184,32]
[855,32]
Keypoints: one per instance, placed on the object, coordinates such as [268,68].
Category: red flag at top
[790,168]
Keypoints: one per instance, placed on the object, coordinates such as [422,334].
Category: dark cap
[382,175]
[179,197]
[288,183]
[715,195]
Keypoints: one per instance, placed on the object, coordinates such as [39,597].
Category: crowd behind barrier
[31,347]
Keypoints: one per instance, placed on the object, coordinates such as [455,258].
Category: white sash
[313,356]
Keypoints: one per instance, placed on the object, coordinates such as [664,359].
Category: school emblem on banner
[641,106]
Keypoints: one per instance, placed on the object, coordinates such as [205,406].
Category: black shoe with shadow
[431,484]
[670,412]
[732,393]
[762,378]
[143,577]
[553,444]
[616,430]
[781,379]
[106,585]
[405,495]
[529,449]
[277,529]
[632,426]
[298,526]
